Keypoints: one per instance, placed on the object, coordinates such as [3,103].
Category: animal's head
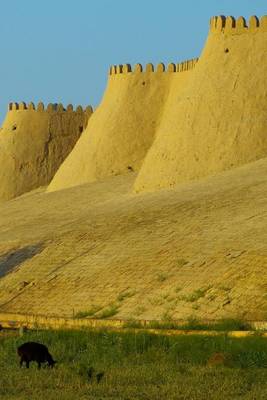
[50,360]
[51,363]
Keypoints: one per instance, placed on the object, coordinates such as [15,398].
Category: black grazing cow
[38,352]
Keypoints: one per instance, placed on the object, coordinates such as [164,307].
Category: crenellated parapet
[232,26]
[50,108]
[150,68]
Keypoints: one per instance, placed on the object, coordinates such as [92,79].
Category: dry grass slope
[198,250]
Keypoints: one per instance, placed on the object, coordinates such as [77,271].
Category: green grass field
[136,366]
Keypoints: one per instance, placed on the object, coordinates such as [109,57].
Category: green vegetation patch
[195,296]
[125,295]
[223,325]
[181,262]
[88,313]
[162,276]
[108,312]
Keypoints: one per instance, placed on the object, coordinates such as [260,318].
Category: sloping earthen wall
[123,127]
[219,121]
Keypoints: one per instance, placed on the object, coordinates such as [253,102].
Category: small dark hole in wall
[143,83]
[14,127]
[80,129]
[226,50]
[130,168]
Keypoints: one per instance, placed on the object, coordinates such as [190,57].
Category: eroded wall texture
[34,142]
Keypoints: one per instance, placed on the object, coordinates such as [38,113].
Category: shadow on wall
[12,259]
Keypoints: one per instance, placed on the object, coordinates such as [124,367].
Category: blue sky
[60,50]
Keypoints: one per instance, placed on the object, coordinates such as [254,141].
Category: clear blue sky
[60,50]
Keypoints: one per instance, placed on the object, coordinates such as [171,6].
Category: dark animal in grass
[91,373]
[38,352]
[99,376]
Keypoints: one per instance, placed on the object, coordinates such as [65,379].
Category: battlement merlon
[51,108]
[150,68]
[231,26]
